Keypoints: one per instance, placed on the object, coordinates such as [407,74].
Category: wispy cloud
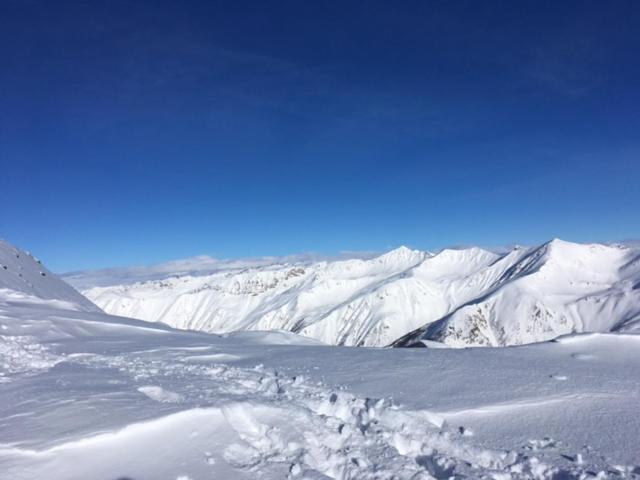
[567,63]
[198,265]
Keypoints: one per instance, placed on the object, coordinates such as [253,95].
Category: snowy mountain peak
[558,247]
[459,254]
[456,263]
[561,247]
[576,257]
[558,242]
[404,255]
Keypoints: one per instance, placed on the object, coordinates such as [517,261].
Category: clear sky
[134,132]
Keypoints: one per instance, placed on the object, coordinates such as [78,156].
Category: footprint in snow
[537,444]
[241,456]
[583,356]
[159,394]
[209,458]
[573,458]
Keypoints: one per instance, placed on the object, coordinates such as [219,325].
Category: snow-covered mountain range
[457,297]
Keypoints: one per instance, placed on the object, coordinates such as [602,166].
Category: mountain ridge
[460,297]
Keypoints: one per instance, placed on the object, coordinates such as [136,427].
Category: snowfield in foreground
[87,395]
[466,297]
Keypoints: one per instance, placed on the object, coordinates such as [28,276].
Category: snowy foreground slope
[87,395]
[457,297]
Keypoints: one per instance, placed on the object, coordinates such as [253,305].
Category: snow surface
[459,297]
[88,395]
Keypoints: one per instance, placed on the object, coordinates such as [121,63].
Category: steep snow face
[24,275]
[556,289]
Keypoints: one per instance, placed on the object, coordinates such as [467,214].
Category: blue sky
[137,132]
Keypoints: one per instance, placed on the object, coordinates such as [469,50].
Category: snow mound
[159,394]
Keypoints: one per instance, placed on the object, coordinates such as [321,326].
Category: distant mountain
[459,297]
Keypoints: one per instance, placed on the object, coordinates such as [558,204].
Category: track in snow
[288,426]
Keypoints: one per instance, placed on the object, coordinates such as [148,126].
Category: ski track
[333,434]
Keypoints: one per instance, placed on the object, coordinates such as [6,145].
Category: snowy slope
[24,275]
[84,394]
[459,297]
